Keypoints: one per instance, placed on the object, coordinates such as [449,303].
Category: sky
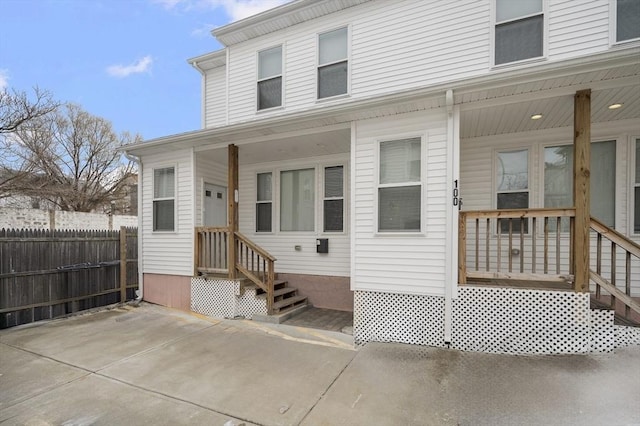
[123,60]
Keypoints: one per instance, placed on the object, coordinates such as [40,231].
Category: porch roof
[487,100]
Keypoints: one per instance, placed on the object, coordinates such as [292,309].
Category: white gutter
[140,292]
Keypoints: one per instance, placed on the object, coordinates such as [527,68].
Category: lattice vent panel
[520,321]
[404,318]
[249,303]
[626,336]
[214,298]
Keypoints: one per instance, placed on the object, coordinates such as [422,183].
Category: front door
[215,205]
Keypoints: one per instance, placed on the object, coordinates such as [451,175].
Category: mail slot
[322,245]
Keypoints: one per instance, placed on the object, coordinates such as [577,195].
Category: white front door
[215,205]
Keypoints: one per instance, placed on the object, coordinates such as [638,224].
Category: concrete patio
[153,365]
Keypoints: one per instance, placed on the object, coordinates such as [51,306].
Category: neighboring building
[345,135]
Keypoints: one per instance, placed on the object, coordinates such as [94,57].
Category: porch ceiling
[288,148]
[508,109]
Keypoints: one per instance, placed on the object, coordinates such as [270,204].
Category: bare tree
[73,159]
[17,108]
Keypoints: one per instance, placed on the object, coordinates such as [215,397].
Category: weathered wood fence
[48,274]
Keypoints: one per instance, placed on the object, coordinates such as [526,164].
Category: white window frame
[281,75]
[343,198]
[529,191]
[318,65]
[174,198]
[272,202]
[613,26]
[421,183]
[545,36]
[278,220]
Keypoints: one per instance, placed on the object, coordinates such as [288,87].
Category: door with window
[215,205]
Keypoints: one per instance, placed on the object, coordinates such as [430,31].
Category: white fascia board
[209,60]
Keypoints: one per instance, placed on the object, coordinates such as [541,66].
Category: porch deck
[522,283]
[322,319]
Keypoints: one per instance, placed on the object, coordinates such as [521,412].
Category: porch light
[536,116]
[615,106]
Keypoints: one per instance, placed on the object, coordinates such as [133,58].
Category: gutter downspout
[451,212]
[140,291]
[203,86]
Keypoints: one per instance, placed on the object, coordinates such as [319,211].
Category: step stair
[618,319]
[285,298]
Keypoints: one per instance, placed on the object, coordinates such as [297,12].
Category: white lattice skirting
[496,320]
[225,299]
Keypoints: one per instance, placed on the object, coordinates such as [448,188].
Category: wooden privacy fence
[48,274]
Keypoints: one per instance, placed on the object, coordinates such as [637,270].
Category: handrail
[257,265]
[519,213]
[262,252]
[629,249]
[616,237]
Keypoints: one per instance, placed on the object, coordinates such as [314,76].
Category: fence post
[123,264]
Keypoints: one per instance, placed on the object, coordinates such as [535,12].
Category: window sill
[522,62]
[268,110]
[333,98]
[632,42]
[397,234]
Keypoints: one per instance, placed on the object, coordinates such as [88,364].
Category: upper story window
[400,186]
[270,78]
[333,63]
[519,32]
[164,195]
[627,20]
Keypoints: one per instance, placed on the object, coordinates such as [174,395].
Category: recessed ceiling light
[536,116]
[615,106]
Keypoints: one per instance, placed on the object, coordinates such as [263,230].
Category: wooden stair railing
[257,265]
[210,255]
[631,251]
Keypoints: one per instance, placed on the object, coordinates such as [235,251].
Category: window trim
[256,202]
[174,166]
[613,28]
[343,198]
[492,38]
[423,187]
[347,60]
[259,80]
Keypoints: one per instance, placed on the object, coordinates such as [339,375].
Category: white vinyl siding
[402,45]
[169,252]
[282,245]
[411,263]
[215,97]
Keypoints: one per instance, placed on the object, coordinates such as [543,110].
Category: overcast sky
[124,60]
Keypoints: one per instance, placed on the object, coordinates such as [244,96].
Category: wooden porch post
[232,210]
[581,187]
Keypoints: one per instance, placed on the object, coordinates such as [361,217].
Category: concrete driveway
[153,365]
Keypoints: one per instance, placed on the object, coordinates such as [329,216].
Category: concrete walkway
[152,365]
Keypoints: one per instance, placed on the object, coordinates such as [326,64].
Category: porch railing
[608,262]
[528,244]
[251,260]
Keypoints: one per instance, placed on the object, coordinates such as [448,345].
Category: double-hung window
[400,186]
[164,187]
[627,20]
[264,202]
[297,200]
[270,78]
[333,199]
[519,31]
[512,185]
[333,63]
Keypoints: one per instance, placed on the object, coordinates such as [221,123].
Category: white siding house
[412,161]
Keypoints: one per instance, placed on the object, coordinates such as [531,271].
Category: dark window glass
[270,93]
[399,208]
[332,80]
[519,40]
